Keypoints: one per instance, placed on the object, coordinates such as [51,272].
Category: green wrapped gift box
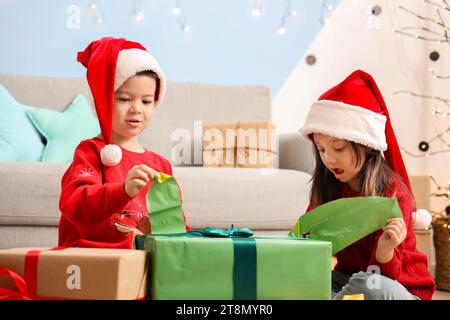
[188,266]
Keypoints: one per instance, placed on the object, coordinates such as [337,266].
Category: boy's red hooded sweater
[93,198]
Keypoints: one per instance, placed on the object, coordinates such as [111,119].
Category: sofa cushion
[28,236]
[64,130]
[19,140]
[260,199]
[29,193]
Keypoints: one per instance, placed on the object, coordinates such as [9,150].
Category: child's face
[133,106]
[338,156]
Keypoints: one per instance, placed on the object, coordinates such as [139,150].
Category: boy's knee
[375,286]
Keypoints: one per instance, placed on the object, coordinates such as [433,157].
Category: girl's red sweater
[408,265]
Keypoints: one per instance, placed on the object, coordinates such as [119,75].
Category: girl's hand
[137,178]
[394,234]
[333,262]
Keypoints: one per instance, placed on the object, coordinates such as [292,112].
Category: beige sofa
[268,202]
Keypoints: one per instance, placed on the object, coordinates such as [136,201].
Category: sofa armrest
[295,152]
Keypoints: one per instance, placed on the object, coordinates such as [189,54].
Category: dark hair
[375,176]
[152,74]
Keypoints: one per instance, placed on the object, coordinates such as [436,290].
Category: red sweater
[408,266]
[93,197]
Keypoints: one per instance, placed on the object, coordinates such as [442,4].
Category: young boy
[104,190]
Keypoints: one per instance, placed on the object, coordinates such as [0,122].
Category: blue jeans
[374,287]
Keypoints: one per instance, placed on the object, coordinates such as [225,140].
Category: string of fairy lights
[429,35]
[290,12]
[435,31]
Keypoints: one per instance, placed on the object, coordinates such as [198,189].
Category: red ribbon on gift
[7,294]
[27,285]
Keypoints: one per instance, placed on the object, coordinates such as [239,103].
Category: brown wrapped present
[240,144]
[77,273]
[256,144]
[219,144]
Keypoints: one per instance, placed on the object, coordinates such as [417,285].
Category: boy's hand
[394,234]
[137,178]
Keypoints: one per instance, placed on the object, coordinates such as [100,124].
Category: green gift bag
[345,221]
[218,264]
[164,206]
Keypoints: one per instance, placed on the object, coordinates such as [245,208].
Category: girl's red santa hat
[110,62]
[355,110]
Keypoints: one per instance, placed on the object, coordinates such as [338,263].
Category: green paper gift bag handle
[345,221]
[164,206]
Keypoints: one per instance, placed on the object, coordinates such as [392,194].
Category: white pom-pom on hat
[111,155]
[422,219]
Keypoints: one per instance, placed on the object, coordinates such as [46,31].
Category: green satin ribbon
[244,269]
[164,206]
[244,252]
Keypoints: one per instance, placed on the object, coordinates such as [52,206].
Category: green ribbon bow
[221,233]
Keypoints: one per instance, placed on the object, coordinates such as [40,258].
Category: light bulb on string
[96,11]
[424,146]
[257,8]
[179,14]
[256,12]
[281,31]
[176,11]
[138,16]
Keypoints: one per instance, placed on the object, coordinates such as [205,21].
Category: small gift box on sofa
[208,265]
[250,144]
[73,273]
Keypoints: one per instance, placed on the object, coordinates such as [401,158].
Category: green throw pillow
[64,130]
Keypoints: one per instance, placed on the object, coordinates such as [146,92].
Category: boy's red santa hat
[110,62]
[355,110]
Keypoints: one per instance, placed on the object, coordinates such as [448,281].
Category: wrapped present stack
[73,273]
[240,144]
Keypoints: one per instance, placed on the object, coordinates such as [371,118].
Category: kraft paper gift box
[219,143]
[256,144]
[250,144]
[78,273]
[192,267]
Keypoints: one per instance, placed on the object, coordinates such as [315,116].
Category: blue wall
[225,44]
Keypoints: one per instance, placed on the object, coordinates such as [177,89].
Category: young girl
[350,127]
[103,197]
